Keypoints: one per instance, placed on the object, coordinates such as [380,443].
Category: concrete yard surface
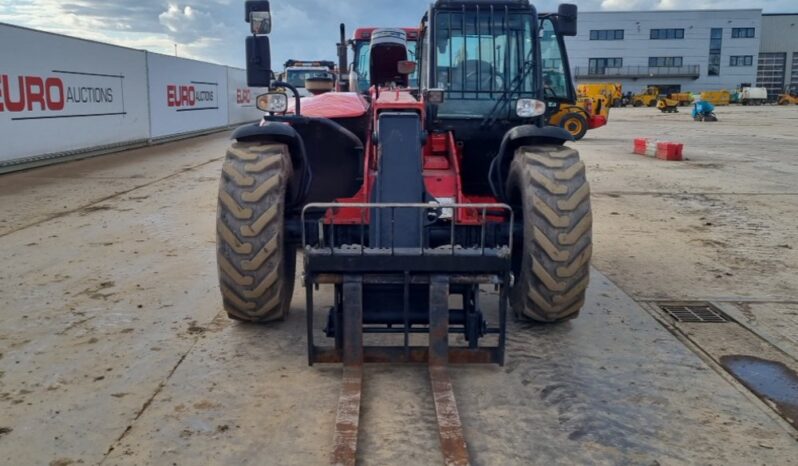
[115,350]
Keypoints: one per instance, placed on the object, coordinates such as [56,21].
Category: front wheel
[256,267]
[553,268]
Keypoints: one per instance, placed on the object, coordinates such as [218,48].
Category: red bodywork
[596,121]
[442,157]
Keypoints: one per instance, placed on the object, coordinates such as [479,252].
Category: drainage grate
[694,312]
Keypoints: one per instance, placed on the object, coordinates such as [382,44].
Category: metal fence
[689,71]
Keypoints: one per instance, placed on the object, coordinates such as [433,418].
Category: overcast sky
[214,30]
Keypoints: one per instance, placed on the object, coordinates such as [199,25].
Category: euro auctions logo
[194,96]
[62,94]
[29,92]
[243,96]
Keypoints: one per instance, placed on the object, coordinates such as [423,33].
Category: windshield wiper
[506,96]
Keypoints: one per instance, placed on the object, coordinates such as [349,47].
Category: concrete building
[690,50]
[778,56]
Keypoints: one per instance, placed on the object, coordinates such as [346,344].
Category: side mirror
[260,22]
[406,67]
[259,61]
[566,19]
[258,15]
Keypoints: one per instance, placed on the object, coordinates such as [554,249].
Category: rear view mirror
[259,61]
[260,22]
[566,19]
[257,7]
[406,67]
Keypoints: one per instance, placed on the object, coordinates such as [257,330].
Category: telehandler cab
[406,195]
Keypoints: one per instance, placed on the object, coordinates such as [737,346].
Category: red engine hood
[333,105]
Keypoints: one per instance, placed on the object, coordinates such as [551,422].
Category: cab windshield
[481,56]
[363,59]
[297,78]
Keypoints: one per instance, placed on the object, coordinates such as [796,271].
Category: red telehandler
[410,193]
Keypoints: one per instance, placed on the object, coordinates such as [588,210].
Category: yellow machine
[788,98]
[587,113]
[613,92]
[684,98]
[717,98]
[647,99]
[668,105]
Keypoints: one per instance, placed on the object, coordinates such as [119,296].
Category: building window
[606,34]
[665,62]
[743,33]
[741,60]
[662,34]
[715,45]
[600,65]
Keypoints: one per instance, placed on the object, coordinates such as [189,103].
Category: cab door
[556,72]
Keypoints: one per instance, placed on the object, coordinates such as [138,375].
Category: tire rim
[574,127]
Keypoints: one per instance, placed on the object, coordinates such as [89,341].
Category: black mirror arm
[297,98]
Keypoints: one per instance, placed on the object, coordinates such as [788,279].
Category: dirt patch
[62,462]
[205,405]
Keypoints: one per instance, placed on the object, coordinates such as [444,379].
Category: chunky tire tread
[234,208]
[575,200]
[232,240]
[257,227]
[256,269]
[262,166]
[237,177]
[554,252]
[551,186]
[570,173]
[579,231]
[545,160]
[262,190]
[554,265]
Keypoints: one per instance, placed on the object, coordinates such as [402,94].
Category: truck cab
[297,72]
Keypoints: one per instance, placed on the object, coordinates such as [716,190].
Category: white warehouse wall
[637,46]
[63,96]
[60,94]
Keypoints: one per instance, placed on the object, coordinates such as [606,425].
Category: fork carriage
[398,290]
[398,282]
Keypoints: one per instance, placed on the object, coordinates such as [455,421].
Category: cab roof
[447,4]
[365,33]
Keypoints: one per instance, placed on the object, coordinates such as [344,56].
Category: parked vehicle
[612,92]
[717,98]
[753,95]
[407,195]
[647,98]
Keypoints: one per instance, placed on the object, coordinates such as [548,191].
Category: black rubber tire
[256,268]
[638,103]
[575,124]
[548,182]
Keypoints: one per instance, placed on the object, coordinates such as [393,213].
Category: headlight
[273,102]
[530,108]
